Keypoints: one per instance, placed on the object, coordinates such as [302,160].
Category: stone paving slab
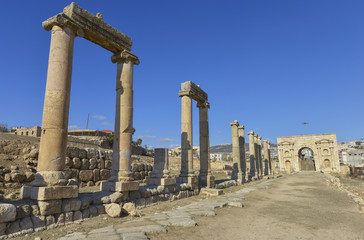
[181,217]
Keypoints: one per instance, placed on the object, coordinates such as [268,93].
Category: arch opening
[307,161]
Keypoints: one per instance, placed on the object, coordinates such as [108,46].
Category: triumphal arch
[309,153]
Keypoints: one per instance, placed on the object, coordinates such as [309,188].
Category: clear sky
[271,65]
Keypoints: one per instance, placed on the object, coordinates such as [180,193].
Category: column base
[191,180]
[119,186]
[161,181]
[49,193]
[206,180]
[49,178]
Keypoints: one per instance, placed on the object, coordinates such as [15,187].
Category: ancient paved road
[300,206]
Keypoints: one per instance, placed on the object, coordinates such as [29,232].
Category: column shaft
[121,163]
[53,142]
[242,166]
[205,166]
[236,149]
[252,154]
[186,137]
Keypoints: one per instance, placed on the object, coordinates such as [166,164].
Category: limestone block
[50,222]
[13,227]
[96,173]
[50,207]
[69,162]
[35,210]
[71,205]
[93,163]
[72,152]
[54,192]
[59,219]
[113,210]
[25,192]
[2,229]
[100,163]
[85,202]
[211,191]
[93,211]
[104,174]
[18,177]
[129,208]
[92,153]
[7,177]
[108,155]
[100,209]
[29,176]
[77,216]
[23,211]
[7,212]
[39,223]
[119,186]
[86,175]
[115,197]
[102,154]
[85,164]
[134,195]
[82,153]
[85,213]
[74,173]
[76,162]
[108,164]
[145,193]
[68,217]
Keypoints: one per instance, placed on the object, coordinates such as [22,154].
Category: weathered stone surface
[23,211]
[93,211]
[77,216]
[76,163]
[39,223]
[68,217]
[50,207]
[211,191]
[104,174]
[96,174]
[85,201]
[85,213]
[100,163]
[2,229]
[92,153]
[35,210]
[55,192]
[68,162]
[108,164]
[73,152]
[113,210]
[85,164]
[119,186]
[86,175]
[82,154]
[13,227]
[93,163]
[50,222]
[7,212]
[59,219]
[100,209]
[71,205]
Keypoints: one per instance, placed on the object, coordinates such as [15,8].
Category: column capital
[125,56]
[260,138]
[235,123]
[241,127]
[251,133]
[203,104]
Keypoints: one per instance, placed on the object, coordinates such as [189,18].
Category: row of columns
[53,144]
[258,166]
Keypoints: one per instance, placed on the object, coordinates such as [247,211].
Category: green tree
[139,142]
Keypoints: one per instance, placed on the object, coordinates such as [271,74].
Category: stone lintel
[211,191]
[194,91]
[119,186]
[49,193]
[90,27]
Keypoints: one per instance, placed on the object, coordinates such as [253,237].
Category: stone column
[253,170]
[267,166]
[205,177]
[187,174]
[53,144]
[242,168]
[121,176]
[261,164]
[236,152]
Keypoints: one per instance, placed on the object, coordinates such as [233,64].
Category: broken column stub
[160,174]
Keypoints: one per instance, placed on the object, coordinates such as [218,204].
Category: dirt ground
[300,206]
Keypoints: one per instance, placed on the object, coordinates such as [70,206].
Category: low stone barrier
[87,166]
[26,216]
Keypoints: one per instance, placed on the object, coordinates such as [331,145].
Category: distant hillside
[228,148]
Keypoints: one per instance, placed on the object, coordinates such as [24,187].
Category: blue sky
[271,65]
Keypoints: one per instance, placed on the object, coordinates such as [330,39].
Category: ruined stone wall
[87,166]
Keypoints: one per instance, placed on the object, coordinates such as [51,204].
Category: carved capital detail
[203,104]
[124,57]
[235,123]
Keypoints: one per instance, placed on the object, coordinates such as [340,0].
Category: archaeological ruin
[309,153]
[190,91]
